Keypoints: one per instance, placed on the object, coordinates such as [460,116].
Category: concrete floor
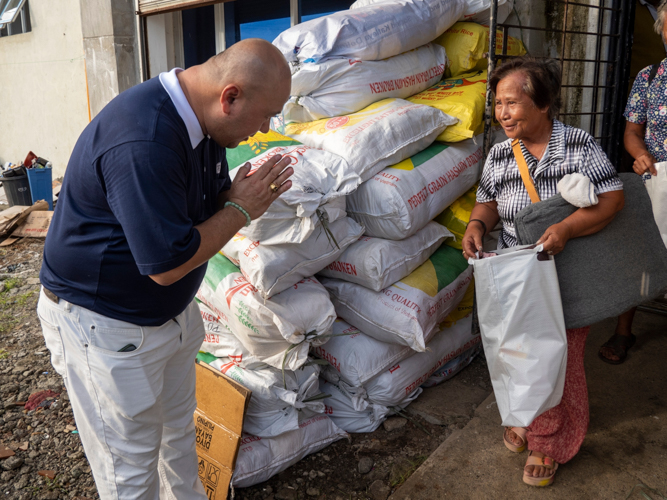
[626,442]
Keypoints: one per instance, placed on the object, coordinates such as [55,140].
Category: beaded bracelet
[241,209]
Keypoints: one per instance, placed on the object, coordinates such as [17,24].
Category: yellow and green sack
[456,217]
[256,145]
[463,309]
[462,97]
[466,45]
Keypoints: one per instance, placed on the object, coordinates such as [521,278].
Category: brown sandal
[519,431]
[546,462]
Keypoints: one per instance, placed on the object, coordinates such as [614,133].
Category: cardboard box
[14,216]
[35,226]
[221,406]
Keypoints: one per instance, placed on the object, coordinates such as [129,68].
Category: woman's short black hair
[543,77]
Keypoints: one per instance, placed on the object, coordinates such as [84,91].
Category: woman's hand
[472,239]
[555,238]
[644,163]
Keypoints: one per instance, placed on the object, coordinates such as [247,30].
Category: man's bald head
[254,64]
[236,93]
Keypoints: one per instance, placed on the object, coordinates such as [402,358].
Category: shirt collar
[557,141]
[170,82]
[555,150]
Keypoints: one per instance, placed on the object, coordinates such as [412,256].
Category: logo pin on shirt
[218,167]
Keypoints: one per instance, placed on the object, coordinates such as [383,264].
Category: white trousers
[134,410]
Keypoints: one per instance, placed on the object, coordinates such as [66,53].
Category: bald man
[145,203]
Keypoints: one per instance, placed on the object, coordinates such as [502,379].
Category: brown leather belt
[51,296]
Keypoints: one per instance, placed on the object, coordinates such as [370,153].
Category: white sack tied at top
[277,331]
[342,86]
[370,33]
[280,398]
[477,11]
[382,134]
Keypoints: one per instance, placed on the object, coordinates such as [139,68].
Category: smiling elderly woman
[527,100]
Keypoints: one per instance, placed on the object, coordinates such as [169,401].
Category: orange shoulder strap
[525,174]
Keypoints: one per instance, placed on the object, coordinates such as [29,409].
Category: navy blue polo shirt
[134,190]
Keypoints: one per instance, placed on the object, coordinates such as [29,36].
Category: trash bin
[17,187]
[40,185]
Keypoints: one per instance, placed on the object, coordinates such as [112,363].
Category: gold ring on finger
[273,187]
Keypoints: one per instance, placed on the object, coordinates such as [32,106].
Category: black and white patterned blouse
[569,150]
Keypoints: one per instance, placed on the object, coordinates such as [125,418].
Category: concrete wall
[43,102]
[165,42]
[111,46]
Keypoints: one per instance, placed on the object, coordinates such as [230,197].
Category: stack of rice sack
[285,419]
[369,379]
[368,88]
[367,105]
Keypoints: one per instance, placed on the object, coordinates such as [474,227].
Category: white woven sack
[280,225]
[275,331]
[377,263]
[453,367]
[475,10]
[380,135]
[479,11]
[403,198]
[371,33]
[280,398]
[341,410]
[319,183]
[400,380]
[357,357]
[342,86]
[407,312]
[262,458]
[274,268]
[523,331]
[221,343]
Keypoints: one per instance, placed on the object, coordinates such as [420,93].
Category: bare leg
[623,328]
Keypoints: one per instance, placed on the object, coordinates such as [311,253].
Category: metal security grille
[592,40]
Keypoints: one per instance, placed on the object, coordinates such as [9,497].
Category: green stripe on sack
[219,267]
[246,152]
[205,357]
[449,263]
[430,152]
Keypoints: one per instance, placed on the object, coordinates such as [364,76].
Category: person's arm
[585,221]
[633,140]
[473,237]
[485,209]
[253,194]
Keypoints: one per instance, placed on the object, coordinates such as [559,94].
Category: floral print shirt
[649,105]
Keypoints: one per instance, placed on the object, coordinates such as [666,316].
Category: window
[14,17]
[210,29]
[311,9]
